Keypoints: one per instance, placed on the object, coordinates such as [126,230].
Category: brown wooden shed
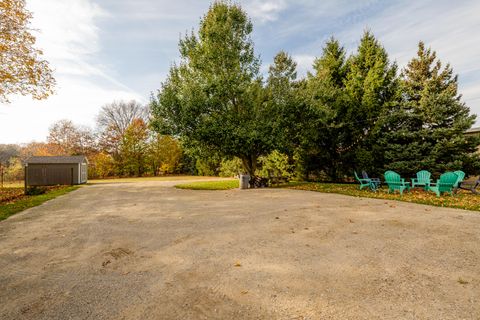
[49,171]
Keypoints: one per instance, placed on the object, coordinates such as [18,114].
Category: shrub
[230,168]
[275,164]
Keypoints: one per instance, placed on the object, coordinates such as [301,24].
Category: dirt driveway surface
[146,250]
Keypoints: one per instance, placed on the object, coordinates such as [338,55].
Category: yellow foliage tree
[22,70]
[164,154]
[102,165]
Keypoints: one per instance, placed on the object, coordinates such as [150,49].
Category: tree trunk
[249,164]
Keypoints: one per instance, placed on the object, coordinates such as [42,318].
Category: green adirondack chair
[422,179]
[395,182]
[365,182]
[446,183]
[461,176]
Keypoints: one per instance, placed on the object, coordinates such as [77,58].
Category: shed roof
[62,159]
[473,130]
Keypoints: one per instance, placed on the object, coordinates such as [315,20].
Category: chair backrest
[365,175]
[461,176]
[391,176]
[356,175]
[423,176]
[448,179]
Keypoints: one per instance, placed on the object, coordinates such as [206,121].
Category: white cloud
[448,29]
[69,37]
[79,101]
[100,49]
[304,63]
[265,11]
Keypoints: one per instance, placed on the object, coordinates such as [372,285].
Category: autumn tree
[40,149]
[8,161]
[164,154]
[101,165]
[119,115]
[133,148]
[22,69]
[7,152]
[71,138]
[114,119]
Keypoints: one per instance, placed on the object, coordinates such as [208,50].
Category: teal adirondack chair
[365,182]
[461,176]
[446,183]
[395,182]
[422,179]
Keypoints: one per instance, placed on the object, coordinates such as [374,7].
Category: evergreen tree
[372,89]
[327,107]
[281,101]
[426,130]
[348,99]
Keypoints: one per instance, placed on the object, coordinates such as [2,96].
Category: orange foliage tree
[22,70]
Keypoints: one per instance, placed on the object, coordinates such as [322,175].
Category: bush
[275,164]
[206,167]
[230,168]
[34,191]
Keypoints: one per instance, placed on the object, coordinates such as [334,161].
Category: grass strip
[462,200]
[210,185]
[23,203]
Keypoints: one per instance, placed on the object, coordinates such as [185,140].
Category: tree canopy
[22,69]
[352,112]
[214,98]
[426,129]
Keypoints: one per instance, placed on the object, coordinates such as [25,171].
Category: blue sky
[105,50]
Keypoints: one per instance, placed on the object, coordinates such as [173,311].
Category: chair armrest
[436,183]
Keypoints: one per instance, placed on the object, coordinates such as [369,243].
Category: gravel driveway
[146,250]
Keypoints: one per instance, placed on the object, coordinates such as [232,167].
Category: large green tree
[426,130]
[328,106]
[372,89]
[214,98]
[282,102]
[347,99]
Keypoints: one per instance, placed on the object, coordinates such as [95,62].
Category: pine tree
[326,99]
[348,99]
[372,88]
[281,101]
[426,130]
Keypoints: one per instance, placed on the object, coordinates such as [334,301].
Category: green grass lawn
[24,202]
[462,200]
[210,185]
[140,179]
